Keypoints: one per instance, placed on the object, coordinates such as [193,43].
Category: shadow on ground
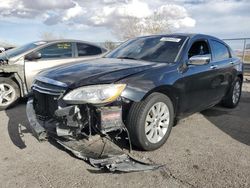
[234,122]
[17,124]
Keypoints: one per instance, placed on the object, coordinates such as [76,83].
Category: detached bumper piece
[102,153]
[98,150]
[38,131]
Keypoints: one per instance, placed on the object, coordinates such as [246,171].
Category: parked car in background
[2,49]
[142,86]
[5,48]
[19,66]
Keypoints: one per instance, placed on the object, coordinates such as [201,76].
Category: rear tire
[150,121]
[9,92]
[233,97]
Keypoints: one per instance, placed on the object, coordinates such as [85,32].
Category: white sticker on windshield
[170,39]
[40,43]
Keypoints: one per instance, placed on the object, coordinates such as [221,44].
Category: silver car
[19,66]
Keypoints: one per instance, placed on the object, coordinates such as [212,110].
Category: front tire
[150,121]
[233,97]
[9,92]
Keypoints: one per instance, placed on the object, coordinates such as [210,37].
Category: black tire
[228,101]
[137,117]
[14,96]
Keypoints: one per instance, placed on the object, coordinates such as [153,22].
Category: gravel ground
[207,149]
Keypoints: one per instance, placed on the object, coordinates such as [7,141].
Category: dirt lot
[208,149]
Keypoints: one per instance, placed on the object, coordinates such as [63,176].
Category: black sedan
[142,87]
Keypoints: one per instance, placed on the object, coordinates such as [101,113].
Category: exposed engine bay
[90,132]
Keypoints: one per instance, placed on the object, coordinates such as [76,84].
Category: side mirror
[33,56]
[199,59]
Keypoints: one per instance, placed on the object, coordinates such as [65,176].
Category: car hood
[97,71]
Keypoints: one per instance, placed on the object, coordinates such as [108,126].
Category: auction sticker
[40,43]
[170,39]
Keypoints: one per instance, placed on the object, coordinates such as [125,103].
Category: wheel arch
[240,76]
[169,91]
[16,79]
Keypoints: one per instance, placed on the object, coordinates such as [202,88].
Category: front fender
[162,79]
[134,94]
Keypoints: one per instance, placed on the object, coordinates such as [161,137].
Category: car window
[220,51]
[22,49]
[86,49]
[162,49]
[58,50]
[198,48]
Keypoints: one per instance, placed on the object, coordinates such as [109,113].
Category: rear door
[51,56]
[223,68]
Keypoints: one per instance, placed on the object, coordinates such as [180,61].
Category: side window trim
[211,50]
[74,50]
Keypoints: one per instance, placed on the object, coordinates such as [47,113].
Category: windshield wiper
[125,57]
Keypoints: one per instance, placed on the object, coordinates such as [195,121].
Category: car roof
[190,35]
[67,40]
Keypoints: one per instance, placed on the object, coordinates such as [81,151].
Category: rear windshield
[163,49]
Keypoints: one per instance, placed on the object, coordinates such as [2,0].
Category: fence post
[244,48]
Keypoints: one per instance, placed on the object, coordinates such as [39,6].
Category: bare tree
[49,36]
[131,27]
[109,45]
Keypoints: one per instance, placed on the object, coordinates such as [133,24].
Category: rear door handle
[213,66]
[231,62]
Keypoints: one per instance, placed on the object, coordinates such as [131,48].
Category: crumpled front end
[3,62]
[88,131]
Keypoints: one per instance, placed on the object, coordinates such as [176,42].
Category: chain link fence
[241,47]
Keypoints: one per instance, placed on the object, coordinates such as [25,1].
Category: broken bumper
[37,129]
[99,151]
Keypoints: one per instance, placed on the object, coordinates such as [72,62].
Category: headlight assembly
[95,94]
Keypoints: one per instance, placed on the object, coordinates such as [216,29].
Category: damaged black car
[140,88]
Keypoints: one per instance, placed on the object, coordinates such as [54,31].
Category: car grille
[46,99]
[47,88]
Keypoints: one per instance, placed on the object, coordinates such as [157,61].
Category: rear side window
[86,50]
[220,51]
[58,50]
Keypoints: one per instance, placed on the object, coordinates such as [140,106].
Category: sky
[23,21]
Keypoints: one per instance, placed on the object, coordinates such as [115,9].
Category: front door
[51,56]
[198,81]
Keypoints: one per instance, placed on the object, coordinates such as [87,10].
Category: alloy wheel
[236,92]
[157,122]
[7,94]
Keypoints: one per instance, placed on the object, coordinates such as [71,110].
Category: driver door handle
[213,66]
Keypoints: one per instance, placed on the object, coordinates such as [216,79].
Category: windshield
[163,49]
[19,50]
